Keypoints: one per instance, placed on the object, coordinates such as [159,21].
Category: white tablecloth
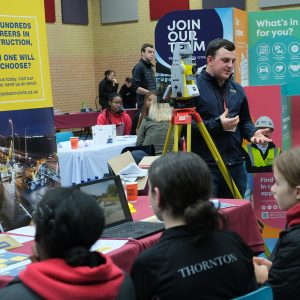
[90,162]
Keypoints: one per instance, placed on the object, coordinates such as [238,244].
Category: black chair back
[149,149]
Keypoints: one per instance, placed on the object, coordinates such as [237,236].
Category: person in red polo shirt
[115,115]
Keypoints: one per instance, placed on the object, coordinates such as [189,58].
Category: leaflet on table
[219,204]
[7,242]
[124,138]
[152,219]
[26,230]
[104,134]
[21,238]
[131,172]
[12,263]
[105,246]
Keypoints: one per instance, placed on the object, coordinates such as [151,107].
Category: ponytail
[81,256]
[203,218]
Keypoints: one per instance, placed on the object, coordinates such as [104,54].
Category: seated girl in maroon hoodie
[282,270]
[68,223]
[115,115]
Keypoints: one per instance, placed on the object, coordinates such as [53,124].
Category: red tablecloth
[81,119]
[75,120]
[241,219]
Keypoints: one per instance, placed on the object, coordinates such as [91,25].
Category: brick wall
[117,46]
[71,59]
[80,54]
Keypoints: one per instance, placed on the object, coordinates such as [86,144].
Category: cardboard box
[120,162]
[146,161]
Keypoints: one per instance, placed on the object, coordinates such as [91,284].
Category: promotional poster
[194,27]
[266,207]
[271,102]
[28,163]
[274,48]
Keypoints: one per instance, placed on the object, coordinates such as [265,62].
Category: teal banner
[274,48]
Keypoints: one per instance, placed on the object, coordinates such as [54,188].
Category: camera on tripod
[183,73]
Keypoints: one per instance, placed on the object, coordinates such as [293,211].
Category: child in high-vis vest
[260,157]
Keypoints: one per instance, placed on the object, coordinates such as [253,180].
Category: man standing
[143,77]
[223,106]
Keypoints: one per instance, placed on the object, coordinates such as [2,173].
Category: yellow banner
[24,68]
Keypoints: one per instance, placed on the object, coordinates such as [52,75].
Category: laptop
[13,215]
[110,194]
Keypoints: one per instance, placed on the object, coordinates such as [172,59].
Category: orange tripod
[184,116]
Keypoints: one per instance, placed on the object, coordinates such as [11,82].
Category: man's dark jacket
[211,104]
[143,76]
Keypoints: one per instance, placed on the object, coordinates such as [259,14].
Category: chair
[149,149]
[63,136]
[264,293]
[138,152]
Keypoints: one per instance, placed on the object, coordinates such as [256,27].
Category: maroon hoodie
[293,215]
[55,279]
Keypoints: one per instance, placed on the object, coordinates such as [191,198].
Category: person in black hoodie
[128,94]
[107,86]
[282,271]
[68,222]
[223,106]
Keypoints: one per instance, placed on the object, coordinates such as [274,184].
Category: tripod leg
[216,155]
[167,141]
[179,130]
[179,134]
[176,137]
[188,137]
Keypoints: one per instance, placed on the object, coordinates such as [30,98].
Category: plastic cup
[132,191]
[74,142]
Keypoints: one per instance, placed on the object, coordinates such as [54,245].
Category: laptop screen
[110,195]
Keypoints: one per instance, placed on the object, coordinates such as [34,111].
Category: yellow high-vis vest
[257,159]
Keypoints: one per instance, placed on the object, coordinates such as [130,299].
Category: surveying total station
[180,93]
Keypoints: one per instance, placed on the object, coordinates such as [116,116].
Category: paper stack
[131,172]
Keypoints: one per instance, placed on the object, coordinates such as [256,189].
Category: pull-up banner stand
[195,27]
[28,167]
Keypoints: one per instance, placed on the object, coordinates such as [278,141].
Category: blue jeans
[138,155]
[220,187]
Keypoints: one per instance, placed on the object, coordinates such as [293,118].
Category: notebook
[110,194]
